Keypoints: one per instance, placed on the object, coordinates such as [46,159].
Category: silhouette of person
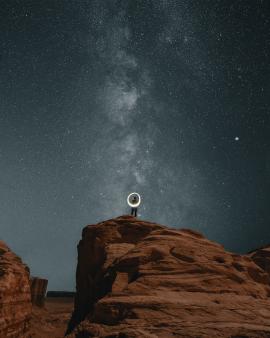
[134,209]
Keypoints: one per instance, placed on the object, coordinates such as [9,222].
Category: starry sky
[168,98]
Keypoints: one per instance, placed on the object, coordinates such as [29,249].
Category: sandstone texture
[261,257]
[38,290]
[141,279]
[15,296]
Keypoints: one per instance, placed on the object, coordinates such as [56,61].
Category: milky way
[102,98]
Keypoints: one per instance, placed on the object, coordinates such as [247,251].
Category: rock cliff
[141,279]
[15,296]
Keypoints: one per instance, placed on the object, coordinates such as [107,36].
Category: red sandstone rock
[15,296]
[38,290]
[261,257]
[140,279]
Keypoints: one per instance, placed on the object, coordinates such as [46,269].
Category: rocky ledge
[15,296]
[141,279]
[261,257]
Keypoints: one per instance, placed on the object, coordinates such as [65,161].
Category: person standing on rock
[134,200]
[134,209]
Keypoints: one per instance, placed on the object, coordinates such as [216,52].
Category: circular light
[134,205]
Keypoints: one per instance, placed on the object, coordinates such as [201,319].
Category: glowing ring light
[134,205]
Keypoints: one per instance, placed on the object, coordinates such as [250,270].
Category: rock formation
[38,290]
[141,279]
[261,257]
[15,296]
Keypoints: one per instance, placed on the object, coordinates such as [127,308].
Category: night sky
[168,98]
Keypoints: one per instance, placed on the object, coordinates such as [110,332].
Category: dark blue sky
[102,98]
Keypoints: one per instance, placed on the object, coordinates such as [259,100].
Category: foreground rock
[15,296]
[141,279]
[261,257]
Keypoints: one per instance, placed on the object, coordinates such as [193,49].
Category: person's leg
[135,212]
[132,211]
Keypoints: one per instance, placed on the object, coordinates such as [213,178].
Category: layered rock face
[15,296]
[141,279]
[262,258]
[38,290]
